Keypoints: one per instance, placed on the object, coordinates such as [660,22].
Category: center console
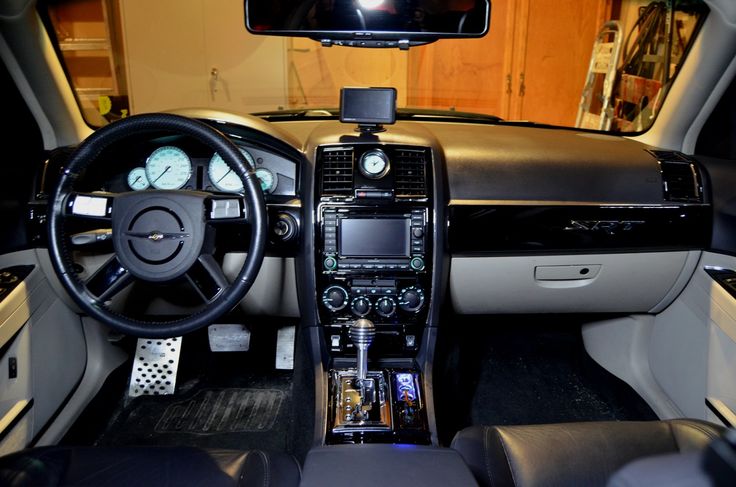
[374,285]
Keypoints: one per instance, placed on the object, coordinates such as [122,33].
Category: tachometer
[268,179]
[223,177]
[137,179]
[168,167]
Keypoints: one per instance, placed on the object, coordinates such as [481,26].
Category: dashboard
[505,219]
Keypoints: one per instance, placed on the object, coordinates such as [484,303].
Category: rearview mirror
[369,23]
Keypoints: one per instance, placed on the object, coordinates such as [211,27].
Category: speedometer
[168,167]
[223,177]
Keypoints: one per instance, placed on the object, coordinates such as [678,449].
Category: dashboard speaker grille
[337,170]
[680,177]
[410,172]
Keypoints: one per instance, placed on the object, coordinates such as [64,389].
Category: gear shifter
[362,332]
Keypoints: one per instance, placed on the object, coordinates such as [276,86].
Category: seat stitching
[487,454]
[267,469]
[508,461]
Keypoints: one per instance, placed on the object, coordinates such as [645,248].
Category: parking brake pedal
[155,366]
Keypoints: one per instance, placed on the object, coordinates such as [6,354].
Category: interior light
[369,4]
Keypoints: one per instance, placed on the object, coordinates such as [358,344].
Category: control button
[330,263]
[411,299]
[335,298]
[385,306]
[359,291]
[417,263]
[411,341]
[417,232]
[335,341]
[368,266]
[360,306]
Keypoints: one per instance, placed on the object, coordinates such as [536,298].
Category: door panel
[45,340]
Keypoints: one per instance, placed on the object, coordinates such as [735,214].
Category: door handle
[522,85]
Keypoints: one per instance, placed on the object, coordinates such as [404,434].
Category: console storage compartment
[385,465]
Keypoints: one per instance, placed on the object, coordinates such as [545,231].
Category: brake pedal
[154,367]
[228,338]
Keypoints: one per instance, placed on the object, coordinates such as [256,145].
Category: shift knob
[361,333]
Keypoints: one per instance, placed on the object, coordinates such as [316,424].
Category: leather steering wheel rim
[59,244]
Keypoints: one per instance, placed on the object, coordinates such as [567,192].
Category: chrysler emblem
[156,236]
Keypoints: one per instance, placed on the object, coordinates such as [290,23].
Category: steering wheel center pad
[158,236]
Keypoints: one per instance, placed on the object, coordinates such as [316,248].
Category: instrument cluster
[172,167]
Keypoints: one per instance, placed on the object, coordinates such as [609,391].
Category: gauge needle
[159,176]
[136,180]
[228,172]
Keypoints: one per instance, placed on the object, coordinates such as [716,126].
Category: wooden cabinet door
[552,48]
[316,74]
[197,53]
[466,74]
[247,73]
[166,61]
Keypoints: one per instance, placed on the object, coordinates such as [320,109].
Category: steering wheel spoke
[226,209]
[94,206]
[109,280]
[207,278]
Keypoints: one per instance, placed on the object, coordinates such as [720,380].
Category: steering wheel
[158,236]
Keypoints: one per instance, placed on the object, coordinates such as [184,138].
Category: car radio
[357,240]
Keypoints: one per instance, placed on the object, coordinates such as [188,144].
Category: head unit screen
[363,237]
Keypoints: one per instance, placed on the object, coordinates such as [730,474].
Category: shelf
[84,45]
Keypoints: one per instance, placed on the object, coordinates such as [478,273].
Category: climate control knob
[335,298]
[411,299]
[360,306]
[385,306]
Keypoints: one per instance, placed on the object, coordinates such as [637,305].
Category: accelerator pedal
[155,366]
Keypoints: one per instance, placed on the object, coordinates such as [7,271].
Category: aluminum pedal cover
[155,366]
[228,338]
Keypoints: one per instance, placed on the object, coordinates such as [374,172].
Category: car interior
[368,243]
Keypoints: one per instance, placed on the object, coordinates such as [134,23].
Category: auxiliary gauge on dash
[374,164]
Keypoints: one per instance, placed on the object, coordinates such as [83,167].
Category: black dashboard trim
[546,228]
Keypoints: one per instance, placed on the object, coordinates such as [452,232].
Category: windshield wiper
[300,114]
[431,114]
[426,114]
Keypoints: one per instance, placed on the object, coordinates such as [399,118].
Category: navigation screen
[362,237]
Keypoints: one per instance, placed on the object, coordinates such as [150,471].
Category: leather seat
[573,453]
[139,466]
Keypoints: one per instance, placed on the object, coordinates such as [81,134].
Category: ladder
[603,61]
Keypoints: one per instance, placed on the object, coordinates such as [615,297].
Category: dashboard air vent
[337,170]
[680,177]
[411,172]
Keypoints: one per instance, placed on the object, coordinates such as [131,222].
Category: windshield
[597,64]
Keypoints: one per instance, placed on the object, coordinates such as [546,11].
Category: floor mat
[527,372]
[255,413]
[223,411]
